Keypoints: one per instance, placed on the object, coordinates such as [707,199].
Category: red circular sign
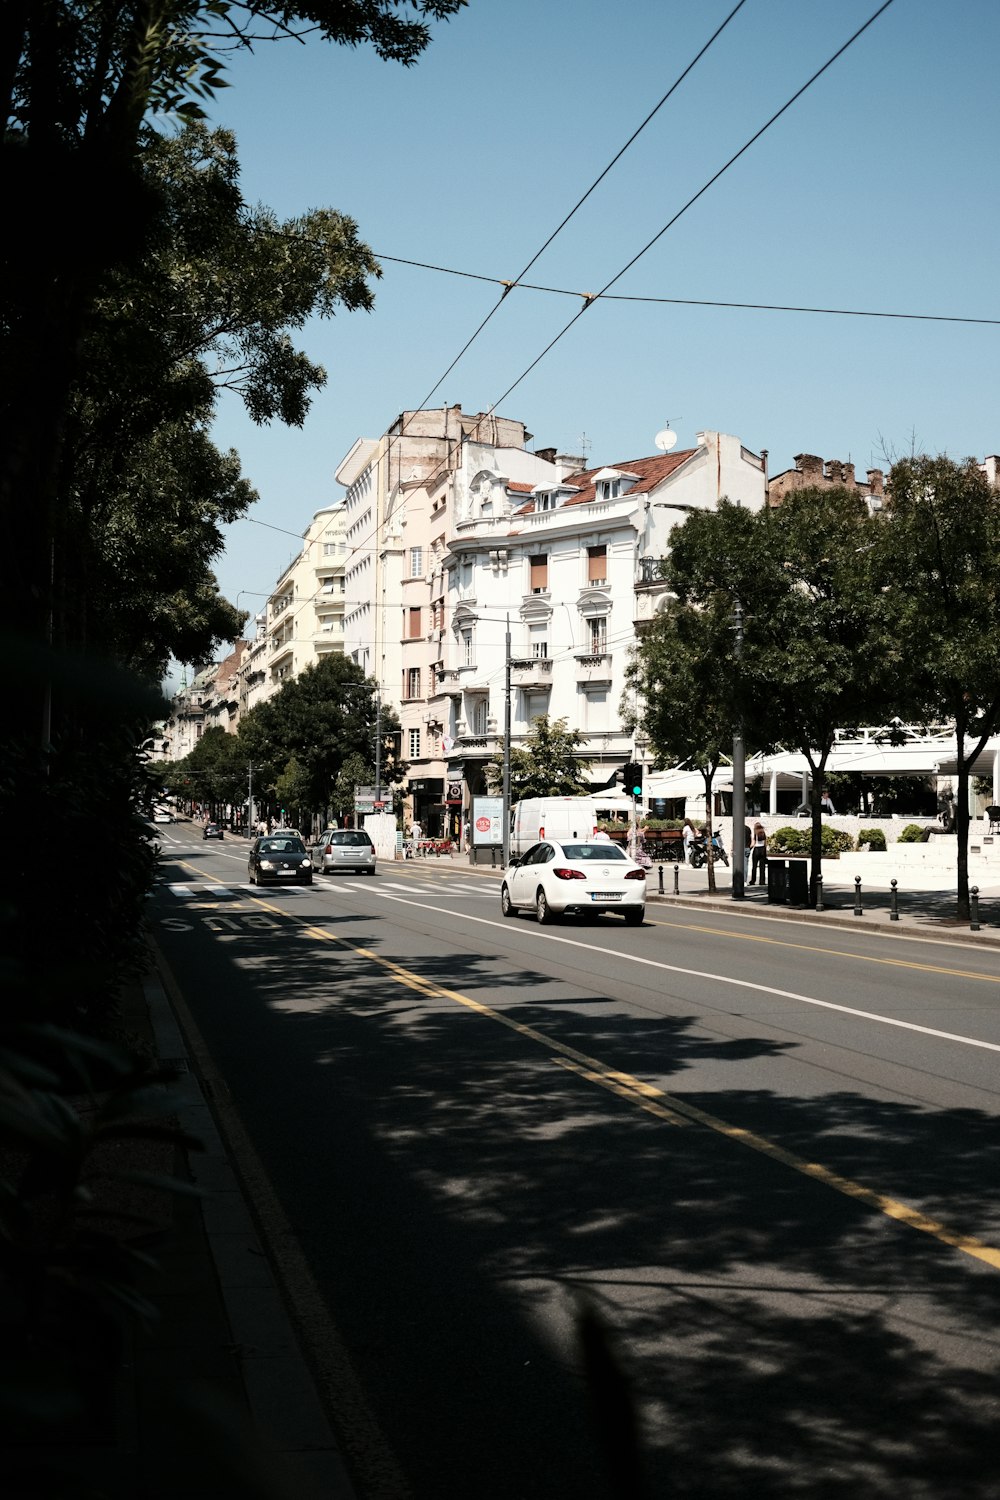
[482,825]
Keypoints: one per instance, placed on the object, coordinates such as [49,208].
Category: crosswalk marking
[190,890]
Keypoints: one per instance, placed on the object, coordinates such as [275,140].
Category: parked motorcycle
[699,851]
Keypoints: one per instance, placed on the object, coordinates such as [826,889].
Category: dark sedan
[211,831]
[279,860]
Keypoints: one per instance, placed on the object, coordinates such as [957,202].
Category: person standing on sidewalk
[758,849]
[689,833]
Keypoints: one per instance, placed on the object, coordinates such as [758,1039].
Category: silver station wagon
[344,849]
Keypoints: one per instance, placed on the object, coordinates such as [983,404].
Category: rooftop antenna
[585,446]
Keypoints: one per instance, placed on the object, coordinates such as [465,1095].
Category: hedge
[799,841]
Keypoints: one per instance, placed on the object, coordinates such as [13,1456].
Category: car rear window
[352,836]
[600,851]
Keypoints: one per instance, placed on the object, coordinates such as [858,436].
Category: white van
[562,818]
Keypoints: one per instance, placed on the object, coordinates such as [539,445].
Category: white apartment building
[395,510]
[571,559]
[304,618]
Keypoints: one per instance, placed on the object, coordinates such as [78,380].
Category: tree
[940,541]
[322,717]
[545,766]
[689,683]
[80,81]
[822,650]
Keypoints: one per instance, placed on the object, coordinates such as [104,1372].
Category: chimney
[549,454]
[834,470]
[848,476]
[810,467]
[876,481]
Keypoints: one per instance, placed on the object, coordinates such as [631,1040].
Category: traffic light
[633,779]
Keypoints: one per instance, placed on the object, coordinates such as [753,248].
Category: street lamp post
[739,775]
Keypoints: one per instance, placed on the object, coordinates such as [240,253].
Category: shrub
[875,839]
[911,834]
[657,824]
[799,841]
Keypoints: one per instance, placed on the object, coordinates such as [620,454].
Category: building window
[416,562]
[332,549]
[597,564]
[539,643]
[468,658]
[479,716]
[413,682]
[415,630]
[539,573]
[414,744]
[599,635]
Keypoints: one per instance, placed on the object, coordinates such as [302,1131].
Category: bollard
[493,857]
[661,880]
[974,918]
[677,880]
[857,896]
[893,902]
[819,892]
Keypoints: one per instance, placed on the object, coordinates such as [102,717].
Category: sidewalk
[215,1399]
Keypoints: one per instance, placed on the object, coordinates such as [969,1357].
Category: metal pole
[506,750]
[250,816]
[739,778]
[378,747]
[893,903]
[857,896]
[974,917]
[819,893]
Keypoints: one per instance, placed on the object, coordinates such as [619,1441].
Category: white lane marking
[743,984]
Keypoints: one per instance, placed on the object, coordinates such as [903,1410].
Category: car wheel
[250,879]
[634,916]
[506,904]
[542,909]
[369,872]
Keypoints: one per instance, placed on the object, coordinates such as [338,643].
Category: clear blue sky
[878,190]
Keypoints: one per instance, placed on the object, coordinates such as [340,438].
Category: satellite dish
[665,440]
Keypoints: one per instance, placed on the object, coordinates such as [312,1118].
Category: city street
[760,1158]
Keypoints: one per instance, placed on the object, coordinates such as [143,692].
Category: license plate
[293,873]
[605,895]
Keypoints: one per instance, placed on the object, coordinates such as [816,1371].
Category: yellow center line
[892,963]
[665,1106]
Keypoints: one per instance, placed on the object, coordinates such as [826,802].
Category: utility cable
[591,297]
[559,291]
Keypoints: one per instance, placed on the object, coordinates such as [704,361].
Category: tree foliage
[822,651]
[547,765]
[323,719]
[940,540]
[689,683]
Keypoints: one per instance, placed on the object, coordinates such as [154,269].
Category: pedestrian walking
[758,875]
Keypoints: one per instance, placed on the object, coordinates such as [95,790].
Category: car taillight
[564,874]
[328,849]
[635,875]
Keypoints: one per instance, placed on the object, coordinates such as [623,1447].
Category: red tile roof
[650,471]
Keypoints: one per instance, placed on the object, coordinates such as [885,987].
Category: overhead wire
[589,298]
[559,291]
[509,285]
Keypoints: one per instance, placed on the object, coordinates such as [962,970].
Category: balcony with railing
[593,666]
[531,672]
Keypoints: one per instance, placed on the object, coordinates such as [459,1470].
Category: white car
[583,876]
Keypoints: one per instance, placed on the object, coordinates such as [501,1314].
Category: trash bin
[787,882]
[797,882]
[777,882]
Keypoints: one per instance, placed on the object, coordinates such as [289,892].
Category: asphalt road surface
[730,1184]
